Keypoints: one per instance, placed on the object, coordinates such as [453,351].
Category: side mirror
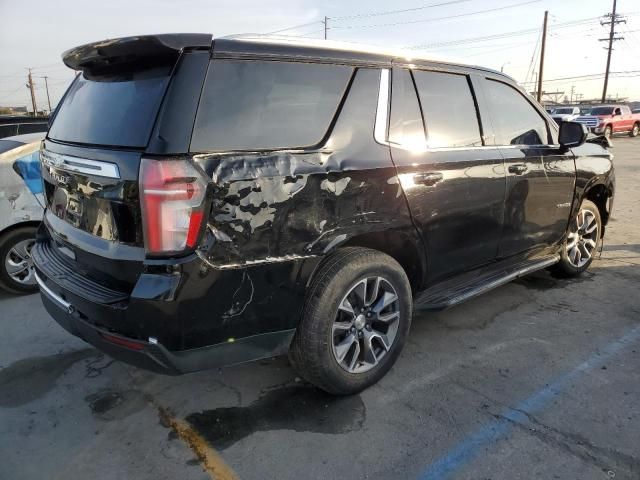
[572,134]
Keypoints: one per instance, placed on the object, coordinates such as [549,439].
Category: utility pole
[544,44]
[326,20]
[613,21]
[46,86]
[573,87]
[30,85]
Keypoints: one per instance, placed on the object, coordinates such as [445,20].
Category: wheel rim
[635,130]
[365,325]
[582,239]
[18,263]
[607,132]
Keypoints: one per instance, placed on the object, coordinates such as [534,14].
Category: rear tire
[343,352]
[16,269]
[635,130]
[581,245]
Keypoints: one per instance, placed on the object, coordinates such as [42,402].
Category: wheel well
[15,226]
[599,194]
[399,246]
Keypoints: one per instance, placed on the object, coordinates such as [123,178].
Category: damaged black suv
[211,202]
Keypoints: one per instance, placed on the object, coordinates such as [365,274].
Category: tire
[324,333]
[635,130]
[570,265]
[608,131]
[13,254]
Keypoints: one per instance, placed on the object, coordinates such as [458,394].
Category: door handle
[427,179]
[518,168]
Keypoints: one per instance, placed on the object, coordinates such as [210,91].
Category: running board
[450,293]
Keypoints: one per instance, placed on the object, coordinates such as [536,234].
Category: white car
[21,210]
[565,114]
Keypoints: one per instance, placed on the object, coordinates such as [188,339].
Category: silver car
[21,209]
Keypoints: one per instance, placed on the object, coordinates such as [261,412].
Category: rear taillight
[172,195]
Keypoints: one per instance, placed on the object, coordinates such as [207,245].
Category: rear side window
[112,110]
[515,119]
[405,121]
[264,105]
[448,108]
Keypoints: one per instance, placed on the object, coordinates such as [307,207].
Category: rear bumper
[150,354]
[169,323]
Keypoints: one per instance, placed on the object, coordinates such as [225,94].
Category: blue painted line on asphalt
[473,445]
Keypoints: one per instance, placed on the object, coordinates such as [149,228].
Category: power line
[437,19]
[514,33]
[591,76]
[367,15]
[295,27]
[393,12]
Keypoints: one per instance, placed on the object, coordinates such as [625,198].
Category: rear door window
[267,105]
[117,110]
[449,110]
[406,129]
[515,120]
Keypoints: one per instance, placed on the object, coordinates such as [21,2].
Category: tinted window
[602,111]
[258,105]
[448,108]
[111,111]
[405,126]
[515,120]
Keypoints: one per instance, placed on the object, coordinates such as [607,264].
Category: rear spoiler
[133,52]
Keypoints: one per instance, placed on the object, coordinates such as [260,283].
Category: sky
[35,33]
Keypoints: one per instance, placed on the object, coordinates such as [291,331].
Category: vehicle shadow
[295,405]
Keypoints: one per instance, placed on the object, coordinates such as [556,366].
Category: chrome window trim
[382,111]
[79,165]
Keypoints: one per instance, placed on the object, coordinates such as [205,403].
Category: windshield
[563,111]
[602,111]
[115,111]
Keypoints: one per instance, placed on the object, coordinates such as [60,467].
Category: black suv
[212,202]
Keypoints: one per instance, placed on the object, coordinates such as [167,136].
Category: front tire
[17,274]
[635,130]
[608,132]
[583,238]
[355,321]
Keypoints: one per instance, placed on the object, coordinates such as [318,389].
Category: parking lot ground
[537,379]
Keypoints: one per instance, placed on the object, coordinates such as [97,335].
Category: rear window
[602,111]
[265,105]
[116,110]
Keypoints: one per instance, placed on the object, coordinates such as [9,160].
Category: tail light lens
[172,194]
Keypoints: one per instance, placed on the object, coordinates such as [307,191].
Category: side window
[262,105]
[449,111]
[406,129]
[617,112]
[515,120]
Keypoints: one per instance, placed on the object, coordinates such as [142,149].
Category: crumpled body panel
[285,205]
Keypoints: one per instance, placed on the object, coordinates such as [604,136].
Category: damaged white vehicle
[21,209]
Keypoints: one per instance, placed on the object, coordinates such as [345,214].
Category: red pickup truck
[608,119]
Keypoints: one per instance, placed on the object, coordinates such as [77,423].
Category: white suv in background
[565,114]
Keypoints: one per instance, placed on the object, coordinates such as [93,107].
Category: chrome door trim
[382,111]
